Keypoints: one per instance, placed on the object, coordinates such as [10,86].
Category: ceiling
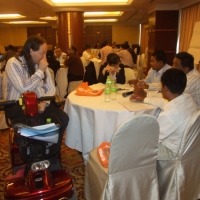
[135,13]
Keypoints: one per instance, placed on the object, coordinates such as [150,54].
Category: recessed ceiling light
[24,22]
[49,18]
[100,14]
[100,20]
[11,16]
[87,2]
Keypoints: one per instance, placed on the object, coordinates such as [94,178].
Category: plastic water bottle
[107,90]
[107,94]
[108,81]
[113,90]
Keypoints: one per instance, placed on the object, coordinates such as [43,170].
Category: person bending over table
[114,67]
[104,51]
[178,109]
[29,72]
[158,67]
[125,56]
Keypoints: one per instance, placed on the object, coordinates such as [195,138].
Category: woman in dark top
[112,65]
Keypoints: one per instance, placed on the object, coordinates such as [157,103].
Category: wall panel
[94,34]
[46,32]
[126,33]
[14,36]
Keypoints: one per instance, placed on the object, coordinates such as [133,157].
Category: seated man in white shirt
[178,109]
[158,67]
[185,62]
[60,56]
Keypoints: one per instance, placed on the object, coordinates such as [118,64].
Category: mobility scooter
[34,152]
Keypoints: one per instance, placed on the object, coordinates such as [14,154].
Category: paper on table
[98,86]
[135,106]
[124,86]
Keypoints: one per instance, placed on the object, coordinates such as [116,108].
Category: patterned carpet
[70,159]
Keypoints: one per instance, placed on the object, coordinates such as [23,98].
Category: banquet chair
[131,172]
[140,66]
[62,82]
[179,179]
[138,62]
[73,85]
[83,62]
[90,74]
[130,74]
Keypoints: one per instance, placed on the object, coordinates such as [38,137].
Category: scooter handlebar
[47,98]
[9,102]
[4,103]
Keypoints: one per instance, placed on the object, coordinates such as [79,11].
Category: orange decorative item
[103,153]
[84,90]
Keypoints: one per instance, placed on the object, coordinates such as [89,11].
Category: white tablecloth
[92,120]
[62,82]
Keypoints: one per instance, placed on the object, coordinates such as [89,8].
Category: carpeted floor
[70,159]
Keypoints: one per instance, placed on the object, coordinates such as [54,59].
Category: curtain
[189,16]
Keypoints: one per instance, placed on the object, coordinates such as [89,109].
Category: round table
[92,120]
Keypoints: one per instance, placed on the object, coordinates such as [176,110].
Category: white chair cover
[131,174]
[140,65]
[73,85]
[83,62]
[62,82]
[130,74]
[179,179]
[138,62]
